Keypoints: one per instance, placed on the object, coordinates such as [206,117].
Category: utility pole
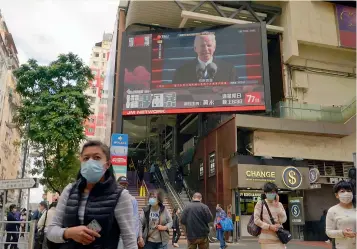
[24,159]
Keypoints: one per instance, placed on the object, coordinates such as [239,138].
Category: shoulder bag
[252,228]
[283,235]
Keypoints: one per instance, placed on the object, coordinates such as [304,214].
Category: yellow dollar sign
[292,178]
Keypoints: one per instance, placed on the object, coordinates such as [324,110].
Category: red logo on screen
[119,160]
[252,98]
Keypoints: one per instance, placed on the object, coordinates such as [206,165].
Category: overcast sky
[42,29]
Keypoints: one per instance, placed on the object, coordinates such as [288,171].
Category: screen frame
[264,49]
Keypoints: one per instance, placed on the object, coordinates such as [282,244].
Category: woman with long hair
[341,218]
[268,238]
[176,227]
[156,222]
[94,211]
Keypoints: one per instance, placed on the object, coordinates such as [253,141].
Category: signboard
[346,25]
[201,70]
[22,183]
[314,175]
[292,177]
[119,153]
[296,209]
[254,176]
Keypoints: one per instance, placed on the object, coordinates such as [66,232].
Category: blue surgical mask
[92,170]
[152,201]
[271,196]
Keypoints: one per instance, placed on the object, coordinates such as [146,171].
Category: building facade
[10,140]
[95,126]
[304,142]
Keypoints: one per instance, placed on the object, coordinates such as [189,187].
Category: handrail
[187,189]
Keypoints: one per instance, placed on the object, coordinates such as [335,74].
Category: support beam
[224,20]
[183,22]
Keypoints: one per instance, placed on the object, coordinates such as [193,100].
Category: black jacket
[175,222]
[196,217]
[187,72]
[13,227]
[100,206]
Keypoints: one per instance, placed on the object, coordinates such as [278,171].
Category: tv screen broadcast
[216,70]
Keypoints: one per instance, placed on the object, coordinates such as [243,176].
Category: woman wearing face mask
[341,218]
[268,238]
[156,222]
[94,202]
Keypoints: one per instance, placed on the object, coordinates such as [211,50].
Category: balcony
[308,112]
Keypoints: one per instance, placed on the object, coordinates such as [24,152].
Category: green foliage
[52,112]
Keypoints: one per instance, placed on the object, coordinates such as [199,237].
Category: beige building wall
[304,146]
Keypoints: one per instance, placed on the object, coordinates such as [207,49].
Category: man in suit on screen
[205,66]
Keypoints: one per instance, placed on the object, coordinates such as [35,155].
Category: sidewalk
[254,245]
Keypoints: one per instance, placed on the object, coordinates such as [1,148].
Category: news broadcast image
[217,70]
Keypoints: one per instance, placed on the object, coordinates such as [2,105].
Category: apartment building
[10,140]
[95,126]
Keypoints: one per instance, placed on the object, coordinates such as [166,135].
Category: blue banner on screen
[214,70]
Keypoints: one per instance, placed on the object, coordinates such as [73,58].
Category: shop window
[212,164]
[201,175]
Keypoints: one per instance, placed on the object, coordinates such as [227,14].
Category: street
[254,245]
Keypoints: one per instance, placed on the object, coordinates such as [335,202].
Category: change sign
[296,211]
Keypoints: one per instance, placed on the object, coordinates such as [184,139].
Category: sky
[42,29]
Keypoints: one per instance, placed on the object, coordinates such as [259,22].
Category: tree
[51,115]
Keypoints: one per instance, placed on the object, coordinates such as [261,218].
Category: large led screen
[213,70]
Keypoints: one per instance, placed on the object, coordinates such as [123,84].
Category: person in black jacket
[195,217]
[12,228]
[176,227]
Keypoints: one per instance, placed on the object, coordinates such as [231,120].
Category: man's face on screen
[205,48]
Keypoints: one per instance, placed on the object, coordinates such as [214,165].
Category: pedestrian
[152,173]
[195,217]
[156,222]
[12,228]
[229,234]
[179,180]
[94,210]
[323,226]
[176,227]
[220,215]
[341,218]
[123,181]
[268,238]
[23,222]
[44,222]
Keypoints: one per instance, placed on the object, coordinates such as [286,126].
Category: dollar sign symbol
[295,211]
[292,178]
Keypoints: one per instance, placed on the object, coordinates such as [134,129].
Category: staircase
[142,202]
[184,197]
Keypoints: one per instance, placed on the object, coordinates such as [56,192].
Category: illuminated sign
[314,175]
[263,176]
[292,177]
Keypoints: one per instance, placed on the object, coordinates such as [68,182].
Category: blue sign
[120,140]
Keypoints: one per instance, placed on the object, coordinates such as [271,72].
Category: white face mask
[345,197]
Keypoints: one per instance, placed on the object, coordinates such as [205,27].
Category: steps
[142,202]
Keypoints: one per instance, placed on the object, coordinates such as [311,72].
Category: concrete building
[95,126]
[10,141]
[308,131]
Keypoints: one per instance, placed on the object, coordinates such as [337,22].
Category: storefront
[247,181]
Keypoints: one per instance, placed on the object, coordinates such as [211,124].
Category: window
[201,175]
[95,63]
[212,164]
[94,90]
[104,101]
[96,54]
[104,56]
[90,130]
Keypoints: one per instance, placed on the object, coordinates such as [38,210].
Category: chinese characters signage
[346,25]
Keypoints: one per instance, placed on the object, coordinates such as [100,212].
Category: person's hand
[161,228]
[81,234]
[274,228]
[141,242]
[348,233]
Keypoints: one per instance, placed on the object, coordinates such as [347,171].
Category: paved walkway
[255,245]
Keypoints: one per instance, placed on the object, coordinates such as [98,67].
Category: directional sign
[23,183]
[296,209]
[120,140]
[119,153]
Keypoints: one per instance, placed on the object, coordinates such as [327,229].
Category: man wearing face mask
[93,212]
[268,238]
[341,218]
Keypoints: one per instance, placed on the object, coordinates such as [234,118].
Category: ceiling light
[204,10]
[243,17]
[197,21]
[248,188]
[156,24]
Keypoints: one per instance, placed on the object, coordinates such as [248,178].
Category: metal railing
[15,237]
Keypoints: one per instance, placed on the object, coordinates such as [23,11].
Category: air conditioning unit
[330,171]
